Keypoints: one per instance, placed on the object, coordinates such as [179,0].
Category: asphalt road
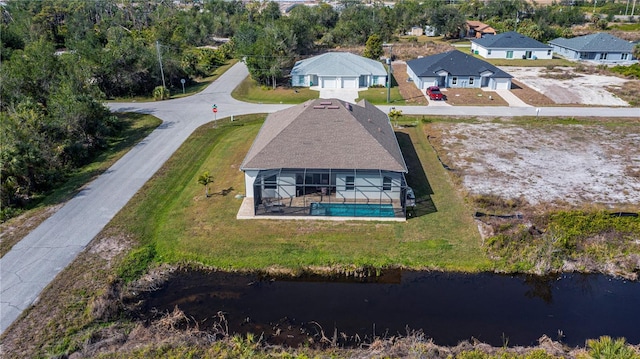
[38,258]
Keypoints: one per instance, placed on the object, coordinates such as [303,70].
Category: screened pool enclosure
[329,192]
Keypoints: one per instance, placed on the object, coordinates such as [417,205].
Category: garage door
[350,83]
[329,83]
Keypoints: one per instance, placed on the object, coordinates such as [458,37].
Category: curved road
[36,260]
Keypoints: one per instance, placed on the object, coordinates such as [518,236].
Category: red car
[434,93]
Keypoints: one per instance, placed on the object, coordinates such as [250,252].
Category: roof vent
[318,107]
[379,129]
[334,107]
[326,103]
[368,120]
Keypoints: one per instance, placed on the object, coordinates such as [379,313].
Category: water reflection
[446,307]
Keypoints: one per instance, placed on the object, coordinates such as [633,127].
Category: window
[548,52]
[625,56]
[603,56]
[350,183]
[489,52]
[386,183]
[471,79]
[454,80]
[270,182]
[509,54]
[301,79]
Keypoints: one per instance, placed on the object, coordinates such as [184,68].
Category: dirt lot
[564,86]
[550,164]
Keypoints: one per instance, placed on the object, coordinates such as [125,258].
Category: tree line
[62,58]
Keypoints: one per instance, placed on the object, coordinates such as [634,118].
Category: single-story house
[456,69]
[600,47]
[338,70]
[326,158]
[510,45]
[416,31]
[478,29]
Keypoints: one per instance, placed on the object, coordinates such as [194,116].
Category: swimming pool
[352,210]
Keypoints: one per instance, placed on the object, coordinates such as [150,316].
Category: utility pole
[633,8]
[160,61]
[389,71]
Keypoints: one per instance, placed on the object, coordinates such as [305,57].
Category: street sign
[214,108]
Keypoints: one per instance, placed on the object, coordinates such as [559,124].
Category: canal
[447,307]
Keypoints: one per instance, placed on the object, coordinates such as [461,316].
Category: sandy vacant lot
[564,86]
[555,164]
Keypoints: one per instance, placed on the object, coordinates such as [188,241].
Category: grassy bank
[176,222]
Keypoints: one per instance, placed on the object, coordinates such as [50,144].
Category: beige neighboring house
[478,29]
[416,31]
[326,159]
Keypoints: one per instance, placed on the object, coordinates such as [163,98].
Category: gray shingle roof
[510,40]
[338,64]
[455,63]
[600,42]
[326,134]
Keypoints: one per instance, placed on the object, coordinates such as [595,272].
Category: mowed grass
[378,96]
[250,91]
[172,215]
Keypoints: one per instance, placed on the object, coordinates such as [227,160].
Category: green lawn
[172,217]
[378,96]
[250,91]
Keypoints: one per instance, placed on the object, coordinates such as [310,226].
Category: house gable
[326,134]
[510,40]
[338,64]
[455,63]
[600,42]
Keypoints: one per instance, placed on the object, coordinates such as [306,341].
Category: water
[495,309]
[352,210]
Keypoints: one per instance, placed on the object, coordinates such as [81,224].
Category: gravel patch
[578,88]
[563,164]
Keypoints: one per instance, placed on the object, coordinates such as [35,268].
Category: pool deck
[246,211]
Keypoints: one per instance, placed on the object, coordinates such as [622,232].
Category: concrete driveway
[349,95]
[38,258]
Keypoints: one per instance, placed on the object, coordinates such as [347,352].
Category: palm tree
[205,179]
[636,51]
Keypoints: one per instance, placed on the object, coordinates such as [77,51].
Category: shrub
[607,348]
[160,93]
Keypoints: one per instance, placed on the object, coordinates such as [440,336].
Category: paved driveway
[349,95]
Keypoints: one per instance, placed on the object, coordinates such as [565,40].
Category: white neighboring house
[510,45]
[335,70]
[600,47]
